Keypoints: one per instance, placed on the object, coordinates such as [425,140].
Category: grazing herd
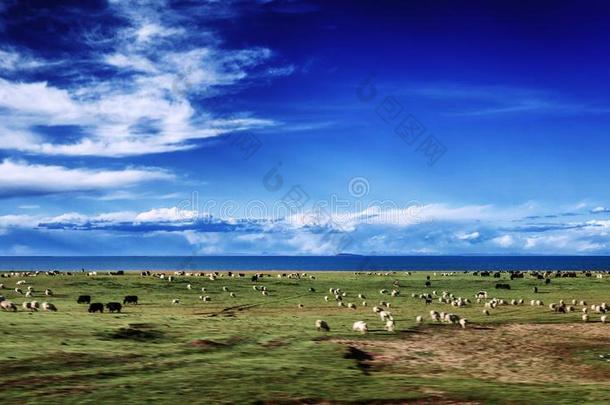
[340,297]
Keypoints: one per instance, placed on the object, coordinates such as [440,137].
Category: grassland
[264,349]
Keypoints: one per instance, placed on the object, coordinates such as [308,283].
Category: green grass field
[265,349]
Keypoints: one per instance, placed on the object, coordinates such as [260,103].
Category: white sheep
[48,292]
[364,303]
[47,306]
[585,318]
[435,316]
[322,326]
[225,289]
[486,312]
[175,301]
[360,326]
[390,326]
[603,318]
[419,319]
[351,306]
[189,287]
[463,323]
[28,306]
[385,316]
[29,294]
[232,295]
[8,306]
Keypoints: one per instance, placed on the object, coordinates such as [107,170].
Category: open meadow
[261,345]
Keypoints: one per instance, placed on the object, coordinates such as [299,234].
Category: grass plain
[265,349]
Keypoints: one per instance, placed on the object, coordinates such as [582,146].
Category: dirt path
[508,353]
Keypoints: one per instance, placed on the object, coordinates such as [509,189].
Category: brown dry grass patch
[516,353]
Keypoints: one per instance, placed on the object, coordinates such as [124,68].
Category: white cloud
[468,236]
[23,178]
[147,108]
[173,214]
[15,61]
[504,241]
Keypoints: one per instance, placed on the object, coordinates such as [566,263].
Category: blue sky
[301,127]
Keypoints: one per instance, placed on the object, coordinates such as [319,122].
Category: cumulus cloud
[22,178]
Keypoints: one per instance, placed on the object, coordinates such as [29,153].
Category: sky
[288,127]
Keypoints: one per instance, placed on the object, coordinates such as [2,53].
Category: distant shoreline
[304,263]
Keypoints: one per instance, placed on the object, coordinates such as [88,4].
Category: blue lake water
[307,263]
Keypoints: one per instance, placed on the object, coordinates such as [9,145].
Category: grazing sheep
[232,295]
[203,289]
[189,287]
[385,316]
[377,310]
[206,298]
[35,304]
[383,292]
[8,306]
[326,298]
[486,312]
[463,323]
[603,318]
[225,289]
[322,326]
[340,304]
[29,294]
[48,292]
[20,282]
[28,306]
[419,319]
[360,326]
[301,306]
[361,296]
[435,316]
[175,301]
[265,293]
[390,326]
[364,303]
[585,318]
[47,306]
[18,291]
